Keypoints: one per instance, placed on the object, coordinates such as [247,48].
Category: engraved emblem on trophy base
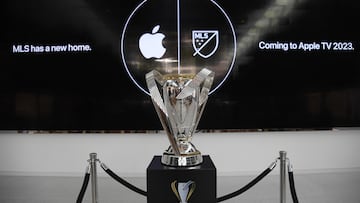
[183,190]
[179,106]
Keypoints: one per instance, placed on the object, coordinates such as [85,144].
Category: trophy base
[159,180]
[185,160]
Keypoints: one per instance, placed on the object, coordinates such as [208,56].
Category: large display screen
[81,64]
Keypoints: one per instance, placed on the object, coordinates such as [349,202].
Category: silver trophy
[179,106]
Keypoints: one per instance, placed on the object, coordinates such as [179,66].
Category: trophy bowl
[179,100]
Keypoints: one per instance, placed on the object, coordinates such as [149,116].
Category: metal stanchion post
[282,176]
[93,159]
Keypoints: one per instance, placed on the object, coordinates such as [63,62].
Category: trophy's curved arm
[153,89]
[202,80]
[160,108]
[207,77]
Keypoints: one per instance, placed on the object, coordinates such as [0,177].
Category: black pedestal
[164,183]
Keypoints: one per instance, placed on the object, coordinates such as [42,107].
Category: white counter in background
[129,154]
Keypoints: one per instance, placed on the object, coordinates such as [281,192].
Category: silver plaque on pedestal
[179,100]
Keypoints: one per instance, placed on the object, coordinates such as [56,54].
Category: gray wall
[130,154]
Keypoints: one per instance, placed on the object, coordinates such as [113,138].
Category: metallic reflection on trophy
[179,106]
[183,190]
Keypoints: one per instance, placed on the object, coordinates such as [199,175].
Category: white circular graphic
[178,37]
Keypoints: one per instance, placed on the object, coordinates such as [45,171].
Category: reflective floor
[327,187]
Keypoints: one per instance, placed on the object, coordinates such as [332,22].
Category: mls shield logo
[205,42]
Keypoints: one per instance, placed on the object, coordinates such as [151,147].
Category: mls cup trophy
[179,105]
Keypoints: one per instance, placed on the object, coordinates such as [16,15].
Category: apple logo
[150,44]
